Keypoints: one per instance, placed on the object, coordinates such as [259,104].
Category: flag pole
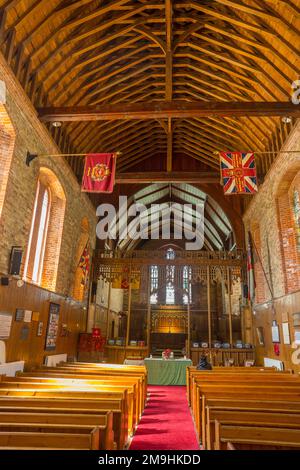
[32,156]
[217,152]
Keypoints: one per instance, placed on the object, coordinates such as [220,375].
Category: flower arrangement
[166,353]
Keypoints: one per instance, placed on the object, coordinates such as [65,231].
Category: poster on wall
[286,333]
[5,325]
[20,314]
[52,328]
[27,316]
[275,332]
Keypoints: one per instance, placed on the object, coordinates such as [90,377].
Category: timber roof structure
[101,53]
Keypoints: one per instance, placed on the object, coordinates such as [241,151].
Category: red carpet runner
[166,423]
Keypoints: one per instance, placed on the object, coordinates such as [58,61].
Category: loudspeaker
[4,281]
[15,260]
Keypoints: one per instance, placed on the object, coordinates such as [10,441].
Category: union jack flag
[238,172]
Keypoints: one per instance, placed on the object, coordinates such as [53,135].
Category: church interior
[149,225]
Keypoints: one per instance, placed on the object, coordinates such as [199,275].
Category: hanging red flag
[99,173]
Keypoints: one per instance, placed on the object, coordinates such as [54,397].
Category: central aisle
[167,422]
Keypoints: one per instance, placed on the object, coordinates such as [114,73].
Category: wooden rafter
[121,55]
[166,110]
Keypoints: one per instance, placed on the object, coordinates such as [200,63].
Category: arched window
[7,142]
[170,278]
[43,250]
[38,235]
[186,284]
[154,284]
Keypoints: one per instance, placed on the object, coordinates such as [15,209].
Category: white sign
[286,333]
[5,324]
[27,316]
[2,92]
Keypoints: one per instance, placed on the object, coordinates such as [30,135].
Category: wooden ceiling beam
[168,177]
[221,16]
[249,9]
[195,154]
[163,110]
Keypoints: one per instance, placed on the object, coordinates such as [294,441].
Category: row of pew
[245,408]
[72,406]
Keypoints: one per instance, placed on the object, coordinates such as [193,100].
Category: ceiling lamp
[56,124]
[286,119]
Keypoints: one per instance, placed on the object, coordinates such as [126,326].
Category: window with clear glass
[186,285]
[38,235]
[154,284]
[170,289]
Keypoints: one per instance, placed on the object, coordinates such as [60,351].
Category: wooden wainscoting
[32,349]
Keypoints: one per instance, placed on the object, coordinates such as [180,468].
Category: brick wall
[32,135]
[7,140]
[271,211]
[263,211]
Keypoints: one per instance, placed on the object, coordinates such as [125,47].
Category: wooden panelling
[117,354]
[284,309]
[31,297]
[218,357]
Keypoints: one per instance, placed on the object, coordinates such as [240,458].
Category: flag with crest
[99,173]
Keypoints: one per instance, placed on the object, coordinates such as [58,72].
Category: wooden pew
[256,438]
[78,389]
[25,404]
[78,421]
[243,396]
[234,376]
[253,418]
[260,395]
[80,386]
[238,386]
[242,380]
[139,377]
[131,384]
[44,440]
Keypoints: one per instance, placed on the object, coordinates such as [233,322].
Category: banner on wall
[99,173]
[238,172]
[123,283]
[52,327]
[84,264]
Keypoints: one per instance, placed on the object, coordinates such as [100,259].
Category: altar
[167,371]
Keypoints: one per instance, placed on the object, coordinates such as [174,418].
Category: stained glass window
[154,284]
[296,207]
